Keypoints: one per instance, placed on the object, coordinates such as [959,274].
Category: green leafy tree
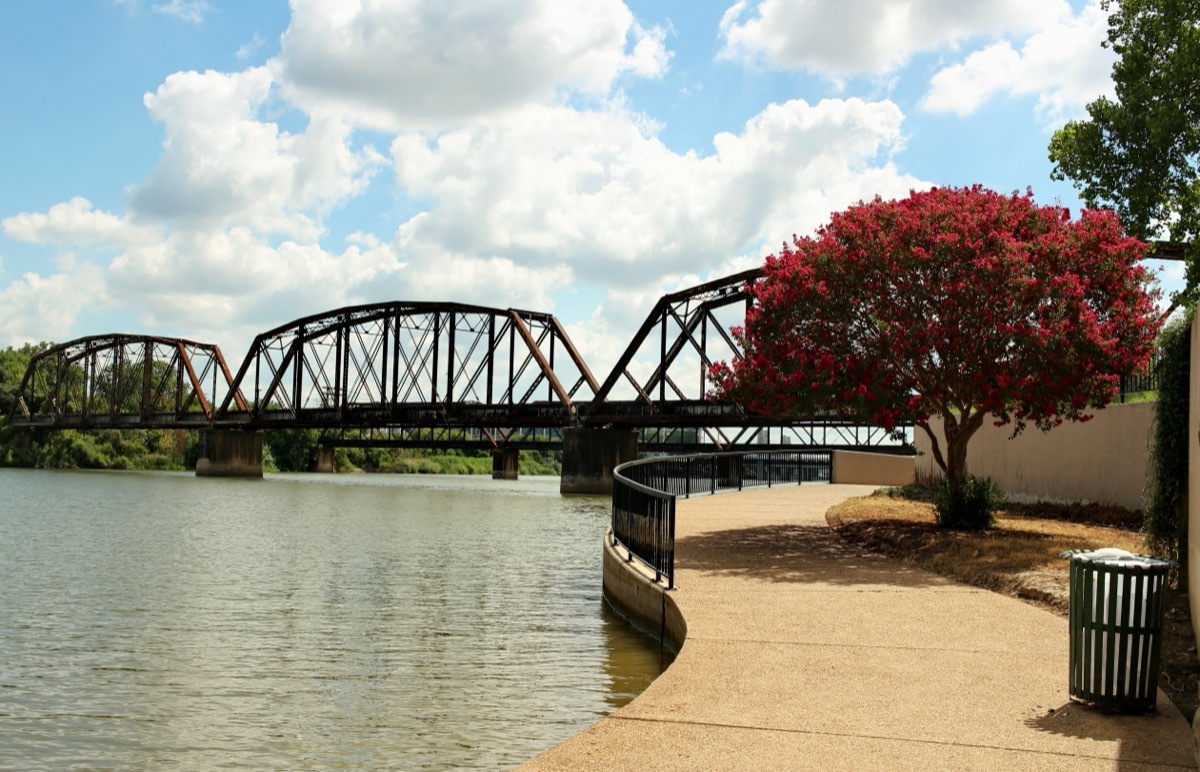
[1139,152]
[1165,497]
[17,448]
[13,363]
[293,450]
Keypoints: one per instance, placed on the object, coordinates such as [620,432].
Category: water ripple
[158,620]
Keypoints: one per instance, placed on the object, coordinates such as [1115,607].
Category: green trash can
[1116,617]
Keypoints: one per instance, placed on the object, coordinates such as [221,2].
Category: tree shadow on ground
[792,553]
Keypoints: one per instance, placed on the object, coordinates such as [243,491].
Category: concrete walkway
[804,652]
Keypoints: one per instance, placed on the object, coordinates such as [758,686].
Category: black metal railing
[645,491]
[1148,379]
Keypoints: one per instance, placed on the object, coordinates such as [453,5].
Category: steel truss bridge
[424,374]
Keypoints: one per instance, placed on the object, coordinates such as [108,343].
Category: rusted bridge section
[425,374]
[412,365]
[123,381]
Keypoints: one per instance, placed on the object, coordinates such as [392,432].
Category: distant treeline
[284,450]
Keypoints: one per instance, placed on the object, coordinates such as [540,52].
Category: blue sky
[213,169]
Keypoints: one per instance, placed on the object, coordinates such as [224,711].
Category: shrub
[973,509]
[913,492]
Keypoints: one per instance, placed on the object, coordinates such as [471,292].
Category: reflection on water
[159,620]
[632,661]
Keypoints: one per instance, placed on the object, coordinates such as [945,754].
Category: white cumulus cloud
[44,308]
[189,10]
[546,186]
[868,36]
[222,166]
[292,279]
[75,222]
[427,63]
[1063,64]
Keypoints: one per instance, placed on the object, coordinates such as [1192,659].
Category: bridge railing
[645,493]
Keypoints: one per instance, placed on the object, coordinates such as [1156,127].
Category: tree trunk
[958,433]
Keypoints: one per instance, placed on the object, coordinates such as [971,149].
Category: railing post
[671,531]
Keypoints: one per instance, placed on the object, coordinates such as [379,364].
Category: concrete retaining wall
[857,468]
[631,590]
[1103,460]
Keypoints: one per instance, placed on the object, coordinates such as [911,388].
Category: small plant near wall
[973,509]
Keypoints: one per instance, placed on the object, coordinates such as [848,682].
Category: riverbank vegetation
[284,450]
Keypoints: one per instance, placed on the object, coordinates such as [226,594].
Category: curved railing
[645,492]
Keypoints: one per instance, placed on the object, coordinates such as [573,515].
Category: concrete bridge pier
[325,462]
[505,463]
[590,455]
[230,453]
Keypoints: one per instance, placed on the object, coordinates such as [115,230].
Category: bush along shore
[289,450]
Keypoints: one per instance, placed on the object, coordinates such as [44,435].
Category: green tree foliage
[418,461]
[101,449]
[292,450]
[1164,505]
[13,363]
[540,462]
[1139,153]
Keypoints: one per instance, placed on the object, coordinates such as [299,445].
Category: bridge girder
[413,363]
[120,380]
[426,372]
[684,321]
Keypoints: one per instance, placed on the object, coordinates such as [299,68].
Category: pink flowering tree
[951,305]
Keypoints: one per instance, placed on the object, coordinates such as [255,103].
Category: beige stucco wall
[857,468]
[1102,460]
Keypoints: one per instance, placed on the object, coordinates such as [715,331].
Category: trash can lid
[1111,556]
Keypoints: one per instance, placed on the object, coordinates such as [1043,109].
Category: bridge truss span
[413,364]
[434,374]
[120,381]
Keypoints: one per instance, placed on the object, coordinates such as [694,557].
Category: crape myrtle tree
[955,305]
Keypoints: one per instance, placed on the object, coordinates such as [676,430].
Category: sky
[211,169]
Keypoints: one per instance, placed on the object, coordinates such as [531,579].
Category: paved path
[804,652]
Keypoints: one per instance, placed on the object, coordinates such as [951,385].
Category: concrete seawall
[629,587]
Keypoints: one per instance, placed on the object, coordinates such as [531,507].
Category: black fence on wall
[1145,380]
[645,492]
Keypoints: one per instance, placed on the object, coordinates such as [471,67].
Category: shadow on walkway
[802,554]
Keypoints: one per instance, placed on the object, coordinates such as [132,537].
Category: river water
[318,621]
